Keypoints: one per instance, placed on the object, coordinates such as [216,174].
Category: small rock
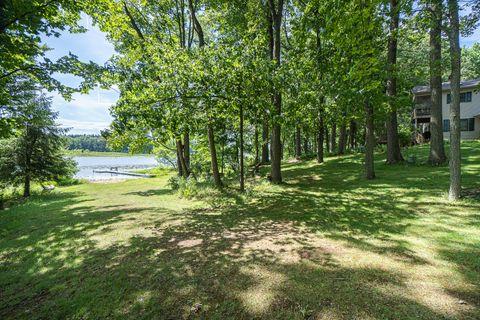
[462,302]
[196,308]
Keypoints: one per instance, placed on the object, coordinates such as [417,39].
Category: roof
[446,86]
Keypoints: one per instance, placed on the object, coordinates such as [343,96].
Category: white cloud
[83,127]
[86,113]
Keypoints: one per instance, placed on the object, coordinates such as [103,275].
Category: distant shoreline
[80,153]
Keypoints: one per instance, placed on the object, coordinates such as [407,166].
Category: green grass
[327,244]
[82,153]
[157,171]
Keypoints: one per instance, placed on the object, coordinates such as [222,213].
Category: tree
[36,154]
[23,55]
[276,13]
[471,62]
[394,154]
[437,151]
[455,57]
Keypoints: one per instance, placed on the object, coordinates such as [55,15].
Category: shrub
[173,182]
[186,188]
[67,181]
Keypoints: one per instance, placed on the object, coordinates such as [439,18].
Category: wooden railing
[421,112]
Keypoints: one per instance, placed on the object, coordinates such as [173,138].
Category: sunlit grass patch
[326,244]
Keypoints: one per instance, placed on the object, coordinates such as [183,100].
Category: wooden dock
[133,174]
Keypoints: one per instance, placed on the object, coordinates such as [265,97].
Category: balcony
[423,112]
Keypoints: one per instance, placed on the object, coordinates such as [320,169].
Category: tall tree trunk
[257,153]
[353,132]
[455,56]
[305,141]
[26,186]
[298,147]
[180,152]
[327,138]
[179,165]
[369,142]
[394,154]
[186,149]
[265,149]
[276,11]
[265,136]
[320,138]
[242,173]
[437,151]
[342,139]
[333,138]
[213,155]
[211,138]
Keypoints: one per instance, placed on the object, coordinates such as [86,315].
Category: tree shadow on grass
[42,240]
[225,276]
[150,193]
[466,262]
[253,259]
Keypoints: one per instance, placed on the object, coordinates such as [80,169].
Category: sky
[86,113]
[89,113]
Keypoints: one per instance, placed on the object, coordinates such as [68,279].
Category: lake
[86,166]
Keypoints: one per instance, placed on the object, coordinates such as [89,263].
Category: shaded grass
[325,245]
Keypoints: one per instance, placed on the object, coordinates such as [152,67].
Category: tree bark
[276,11]
[320,137]
[437,151]
[26,186]
[369,142]
[394,154]
[298,147]
[265,149]
[353,132]
[257,149]
[342,139]
[186,149]
[180,152]
[327,137]
[333,138]
[179,165]
[455,56]
[242,173]
[305,142]
[213,155]
[267,152]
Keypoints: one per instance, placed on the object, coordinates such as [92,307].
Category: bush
[173,183]
[186,188]
[67,181]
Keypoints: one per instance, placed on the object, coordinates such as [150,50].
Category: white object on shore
[50,187]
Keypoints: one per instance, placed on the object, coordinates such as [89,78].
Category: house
[469,110]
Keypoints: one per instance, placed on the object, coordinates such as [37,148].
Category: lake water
[87,165]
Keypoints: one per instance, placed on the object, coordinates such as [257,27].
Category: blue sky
[90,113]
[86,113]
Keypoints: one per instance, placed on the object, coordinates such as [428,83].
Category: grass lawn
[327,244]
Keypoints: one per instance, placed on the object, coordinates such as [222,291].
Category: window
[465,125]
[464,97]
[446,125]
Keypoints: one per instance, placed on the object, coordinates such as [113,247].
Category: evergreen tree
[36,153]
